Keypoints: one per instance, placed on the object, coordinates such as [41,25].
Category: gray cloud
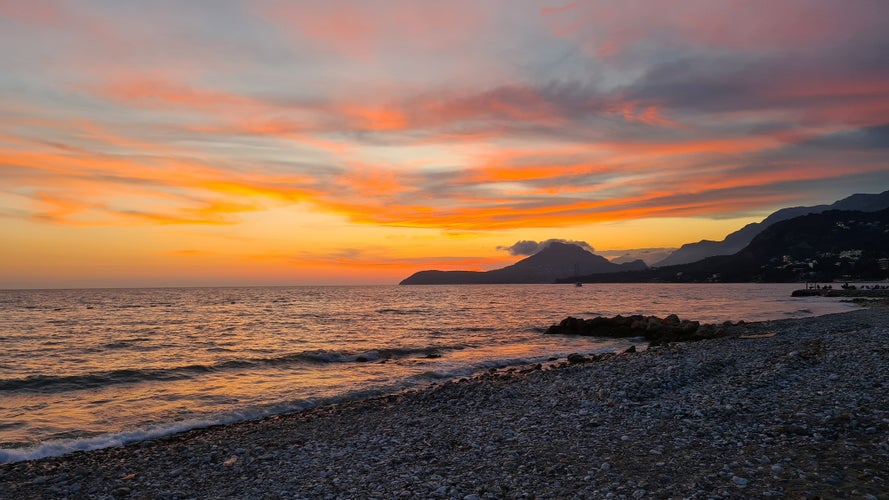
[530,247]
[876,137]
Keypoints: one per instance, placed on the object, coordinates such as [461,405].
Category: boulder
[652,328]
[575,358]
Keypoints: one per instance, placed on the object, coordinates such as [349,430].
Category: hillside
[693,252]
[832,245]
[558,260]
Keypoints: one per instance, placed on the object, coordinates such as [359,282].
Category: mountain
[693,252]
[557,260]
[835,244]
[647,255]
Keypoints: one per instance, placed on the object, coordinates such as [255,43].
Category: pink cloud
[365,30]
[610,28]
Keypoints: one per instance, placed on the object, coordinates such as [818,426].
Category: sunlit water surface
[83,369]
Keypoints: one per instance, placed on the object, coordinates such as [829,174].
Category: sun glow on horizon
[272,142]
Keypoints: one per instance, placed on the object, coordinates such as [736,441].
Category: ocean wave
[58,447]
[53,383]
[65,383]
[390,310]
[335,356]
[63,446]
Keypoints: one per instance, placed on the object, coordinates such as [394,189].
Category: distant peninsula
[556,261]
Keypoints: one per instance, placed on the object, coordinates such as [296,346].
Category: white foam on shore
[60,447]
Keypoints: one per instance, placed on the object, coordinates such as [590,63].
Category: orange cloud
[154,92]
[377,118]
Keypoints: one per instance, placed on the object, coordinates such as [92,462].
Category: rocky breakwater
[654,329]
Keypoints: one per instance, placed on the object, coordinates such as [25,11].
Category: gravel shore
[792,408]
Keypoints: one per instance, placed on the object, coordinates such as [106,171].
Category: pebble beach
[791,408]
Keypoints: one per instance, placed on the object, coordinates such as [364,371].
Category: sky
[174,143]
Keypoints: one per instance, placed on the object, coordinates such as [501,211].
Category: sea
[92,368]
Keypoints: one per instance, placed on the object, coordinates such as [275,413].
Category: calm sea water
[83,369]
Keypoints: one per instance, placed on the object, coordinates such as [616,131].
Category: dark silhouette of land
[557,260]
[736,241]
[828,246]
[846,240]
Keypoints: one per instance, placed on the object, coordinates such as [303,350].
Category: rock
[654,324]
[740,481]
[630,349]
[654,329]
[575,358]
[689,327]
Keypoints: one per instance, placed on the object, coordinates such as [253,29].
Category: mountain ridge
[835,244]
[557,260]
[736,241]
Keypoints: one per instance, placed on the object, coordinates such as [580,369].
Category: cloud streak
[432,115]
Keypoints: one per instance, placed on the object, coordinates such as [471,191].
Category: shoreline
[803,411]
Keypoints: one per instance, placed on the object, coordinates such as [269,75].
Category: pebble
[706,418]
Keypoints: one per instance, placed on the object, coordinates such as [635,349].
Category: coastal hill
[693,252]
[831,245]
[557,260]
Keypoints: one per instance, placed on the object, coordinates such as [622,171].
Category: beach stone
[576,358]
[654,329]
[717,418]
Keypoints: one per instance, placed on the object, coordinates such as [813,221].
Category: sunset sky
[151,143]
